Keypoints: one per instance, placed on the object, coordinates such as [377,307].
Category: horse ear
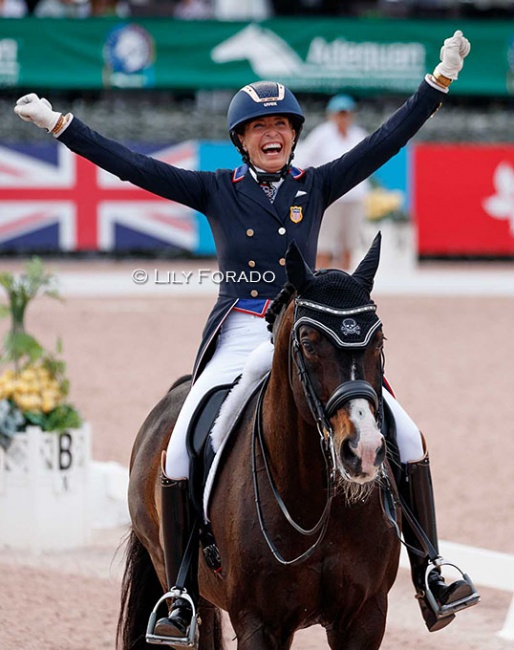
[298,272]
[365,272]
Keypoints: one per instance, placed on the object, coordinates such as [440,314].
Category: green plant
[34,385]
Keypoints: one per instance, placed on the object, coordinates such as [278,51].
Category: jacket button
[282,231]
[251,263]
[282,261]
[250,232]
[254,293]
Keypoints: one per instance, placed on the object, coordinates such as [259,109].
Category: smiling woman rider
[255,212]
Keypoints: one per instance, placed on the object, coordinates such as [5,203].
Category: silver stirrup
[450,608]
[189,641]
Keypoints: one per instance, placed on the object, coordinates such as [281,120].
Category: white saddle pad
[256,367]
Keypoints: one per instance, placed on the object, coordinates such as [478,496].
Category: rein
[345,392]
[321,525]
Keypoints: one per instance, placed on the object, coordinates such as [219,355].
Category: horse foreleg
[211,634]
[365,632]
[255,635]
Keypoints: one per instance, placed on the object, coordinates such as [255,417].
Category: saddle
[199,447]
[205,459]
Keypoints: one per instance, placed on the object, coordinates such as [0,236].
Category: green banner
[314,55]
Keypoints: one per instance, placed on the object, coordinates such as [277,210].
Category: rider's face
[268,142]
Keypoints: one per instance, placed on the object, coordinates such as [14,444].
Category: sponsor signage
[463,199]
[322,55]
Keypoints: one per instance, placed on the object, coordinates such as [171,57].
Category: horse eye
[307,346]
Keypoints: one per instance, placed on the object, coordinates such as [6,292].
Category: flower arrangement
[33,386]
[382,203]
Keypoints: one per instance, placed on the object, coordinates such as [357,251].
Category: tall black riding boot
[176,521]
[416,490]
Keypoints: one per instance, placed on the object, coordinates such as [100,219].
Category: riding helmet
[262,99]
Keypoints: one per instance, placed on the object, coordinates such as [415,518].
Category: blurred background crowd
[236,9]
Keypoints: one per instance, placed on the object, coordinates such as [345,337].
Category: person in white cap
[340,232]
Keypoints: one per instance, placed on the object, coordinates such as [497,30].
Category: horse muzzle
[360,442]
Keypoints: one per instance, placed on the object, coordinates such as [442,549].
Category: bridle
[343,393]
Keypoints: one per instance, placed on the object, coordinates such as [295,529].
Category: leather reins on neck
[322,523]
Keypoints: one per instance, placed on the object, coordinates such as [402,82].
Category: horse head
[333,337]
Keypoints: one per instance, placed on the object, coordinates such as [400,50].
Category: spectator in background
[340,232]
[62,9]
[12,8]
[193,10]
[81,8]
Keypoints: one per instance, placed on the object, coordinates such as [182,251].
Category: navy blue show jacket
[250,232]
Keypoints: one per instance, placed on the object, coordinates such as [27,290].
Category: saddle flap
[204,417]
[198,444]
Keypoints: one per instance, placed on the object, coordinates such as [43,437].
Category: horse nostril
[381,452]
[349,458]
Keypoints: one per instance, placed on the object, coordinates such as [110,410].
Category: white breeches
[408,436]
[239,335]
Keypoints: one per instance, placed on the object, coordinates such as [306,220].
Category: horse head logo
[268,54]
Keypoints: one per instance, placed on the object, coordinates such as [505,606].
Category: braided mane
[280,302]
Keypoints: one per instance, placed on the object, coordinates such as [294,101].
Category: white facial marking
[368,437]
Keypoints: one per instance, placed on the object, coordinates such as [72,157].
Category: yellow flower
[30,402]
[21,386]
[48,404]
[33,389]
[381,202]
[43,374]
[8,387]
[29,374]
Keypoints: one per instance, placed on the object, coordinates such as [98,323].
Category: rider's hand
[31,108]
[453,53]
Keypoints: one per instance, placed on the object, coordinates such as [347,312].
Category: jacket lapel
[286,195]
[250,188]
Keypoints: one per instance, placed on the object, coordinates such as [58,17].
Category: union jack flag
[54,200]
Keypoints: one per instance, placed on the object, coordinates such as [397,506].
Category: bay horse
[297,510]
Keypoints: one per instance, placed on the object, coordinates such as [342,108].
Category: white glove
[453,52]
[31,108]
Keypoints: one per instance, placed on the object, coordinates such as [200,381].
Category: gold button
[251,263]
[254,293]
[282,261]
[282,231]
[250,232]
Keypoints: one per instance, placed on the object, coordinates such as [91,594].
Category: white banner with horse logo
[329,63]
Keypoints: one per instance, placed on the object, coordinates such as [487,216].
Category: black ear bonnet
[340,307]
[335,302]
